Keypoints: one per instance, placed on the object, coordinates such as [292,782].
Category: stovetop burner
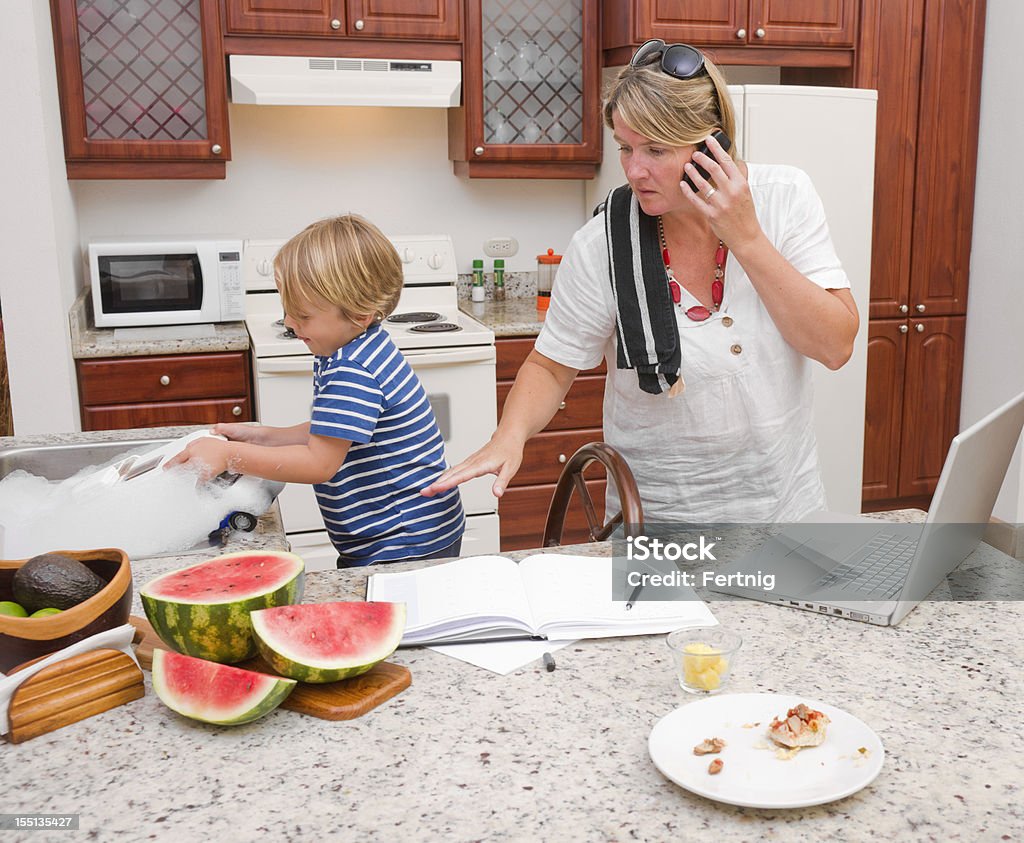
[435,328]
[288,334]
[414,316]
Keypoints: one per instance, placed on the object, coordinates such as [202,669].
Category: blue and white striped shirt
[367,392]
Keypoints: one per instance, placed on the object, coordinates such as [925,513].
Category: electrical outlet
[501,247]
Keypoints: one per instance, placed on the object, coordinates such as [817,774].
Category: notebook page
[572,596]
[480,586]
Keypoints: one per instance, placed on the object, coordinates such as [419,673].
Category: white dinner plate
[752,775]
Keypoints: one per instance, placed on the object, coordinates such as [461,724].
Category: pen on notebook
[549,662]
[634,595]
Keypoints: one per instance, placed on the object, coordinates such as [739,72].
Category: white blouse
[738,444]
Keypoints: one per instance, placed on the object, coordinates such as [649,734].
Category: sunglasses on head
[681,61]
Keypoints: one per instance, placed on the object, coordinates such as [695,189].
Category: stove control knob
[265,267]
[435,261]
[408,255]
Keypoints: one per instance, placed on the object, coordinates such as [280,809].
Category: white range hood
[299,80]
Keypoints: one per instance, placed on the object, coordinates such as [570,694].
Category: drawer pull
[561,406]
[236,410]
[561,458]
[165,380]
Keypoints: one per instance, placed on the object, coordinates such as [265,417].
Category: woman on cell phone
[709,285]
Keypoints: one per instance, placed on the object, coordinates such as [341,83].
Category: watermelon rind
[364,634]
[216,628]
[190,687]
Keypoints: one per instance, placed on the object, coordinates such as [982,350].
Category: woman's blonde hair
[675,112]
[345,261]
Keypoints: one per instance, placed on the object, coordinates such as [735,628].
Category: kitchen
[287,169]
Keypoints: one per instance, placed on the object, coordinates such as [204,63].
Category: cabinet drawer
[582,406]
[513,352]
[166,414]
[173,377]
[523,512]
[546,454]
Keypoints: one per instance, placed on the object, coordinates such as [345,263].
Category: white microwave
[166,282]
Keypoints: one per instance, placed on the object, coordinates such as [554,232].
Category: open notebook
[545,596]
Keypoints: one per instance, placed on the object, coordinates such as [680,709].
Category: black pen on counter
[549,662]
[633,596]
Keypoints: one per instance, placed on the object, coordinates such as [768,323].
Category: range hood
[299,80]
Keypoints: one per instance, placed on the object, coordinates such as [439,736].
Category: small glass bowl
[703,657]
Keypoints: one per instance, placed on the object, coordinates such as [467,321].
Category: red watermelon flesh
[325,642]
[233,576]
[215,693]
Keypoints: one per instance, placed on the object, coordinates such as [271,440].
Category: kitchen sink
[60,461]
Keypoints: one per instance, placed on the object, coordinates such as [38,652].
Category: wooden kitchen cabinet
[924,57]
[419,20]
[523,509]
[775,32]
[531,91]
[174,389]
[142,88]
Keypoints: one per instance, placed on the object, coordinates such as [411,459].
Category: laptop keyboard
[880,573]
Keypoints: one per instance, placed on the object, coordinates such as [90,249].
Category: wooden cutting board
[344,700]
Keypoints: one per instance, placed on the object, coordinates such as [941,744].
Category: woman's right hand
[496,457]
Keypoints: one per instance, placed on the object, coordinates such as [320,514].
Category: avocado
[53,580]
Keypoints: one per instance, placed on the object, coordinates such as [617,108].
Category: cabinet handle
[904,308]
[741,33]
[216,149]
[236,410]
[759,32]
[561,458]
[904,328]
[478,151]
[919,308]
[360,25]
[165,380]
[335,24]
[561,406]
[919,328]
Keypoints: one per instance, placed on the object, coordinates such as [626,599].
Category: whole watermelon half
[216,693]
[204,610]
[325,642]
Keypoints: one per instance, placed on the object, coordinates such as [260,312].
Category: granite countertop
[465,754]
[89,341]
[514,317]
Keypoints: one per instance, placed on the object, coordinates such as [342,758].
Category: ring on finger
[711,191]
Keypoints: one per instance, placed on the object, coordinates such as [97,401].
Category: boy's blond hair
[675,112]
[345,261]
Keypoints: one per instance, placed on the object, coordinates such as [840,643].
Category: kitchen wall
[291,165]
[994,354]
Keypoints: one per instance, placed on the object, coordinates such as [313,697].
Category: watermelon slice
[325,642]
[215,693]
[204,610]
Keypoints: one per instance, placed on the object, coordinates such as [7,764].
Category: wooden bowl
[23,639]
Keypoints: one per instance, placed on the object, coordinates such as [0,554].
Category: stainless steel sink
[58,462]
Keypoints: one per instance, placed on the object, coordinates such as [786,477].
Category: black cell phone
[719,136]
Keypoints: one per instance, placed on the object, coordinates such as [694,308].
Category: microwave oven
[166,282]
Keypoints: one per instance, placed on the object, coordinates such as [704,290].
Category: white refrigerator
[830,134]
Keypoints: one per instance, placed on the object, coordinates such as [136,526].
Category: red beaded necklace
[697,313]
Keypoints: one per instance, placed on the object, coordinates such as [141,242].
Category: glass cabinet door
[142,79]
[532,80]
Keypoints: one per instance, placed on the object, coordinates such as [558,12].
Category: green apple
[43,613]
[15,610]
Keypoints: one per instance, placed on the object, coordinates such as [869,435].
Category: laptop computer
[877,571]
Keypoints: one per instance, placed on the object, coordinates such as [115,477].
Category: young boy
[373,442]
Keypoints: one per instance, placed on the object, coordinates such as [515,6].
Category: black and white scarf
[646,331]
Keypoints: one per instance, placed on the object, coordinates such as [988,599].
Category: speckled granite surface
[465,754]
[89,341]
[514,317]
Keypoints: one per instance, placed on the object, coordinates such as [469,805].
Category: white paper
[119,638]
[501,657]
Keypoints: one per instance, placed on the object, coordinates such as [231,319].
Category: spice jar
[547,267]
